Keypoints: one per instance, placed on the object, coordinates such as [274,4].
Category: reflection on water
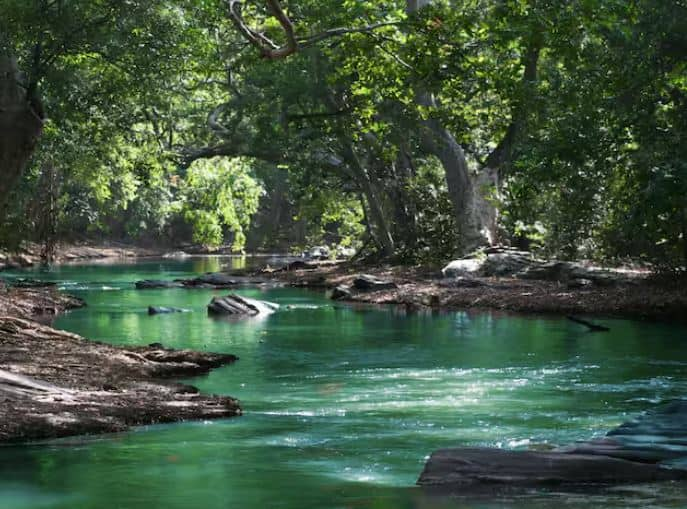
[343,405]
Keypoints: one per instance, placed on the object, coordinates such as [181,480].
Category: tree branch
[269,49]
[502,154]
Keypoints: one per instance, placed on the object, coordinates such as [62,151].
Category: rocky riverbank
[551,289]
[29,254]
[54,384]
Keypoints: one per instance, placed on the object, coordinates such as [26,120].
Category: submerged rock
[31,283]
[236,305]
[161,310]
[366,282]
[221,280]
[150,284]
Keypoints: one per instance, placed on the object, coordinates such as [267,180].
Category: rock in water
[651,447]
[236,305]
[341,293]
[474,466]
[149,284]
[365,283]
[219,280]
[161,310]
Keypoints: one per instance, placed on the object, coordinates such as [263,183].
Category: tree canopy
[412,129]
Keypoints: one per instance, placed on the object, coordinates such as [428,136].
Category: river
[343,404]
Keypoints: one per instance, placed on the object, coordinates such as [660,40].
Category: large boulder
[507,263]
[317,253]
[464,267]
[477,466]
[368,283]
[345,252]
[494,261]
[651,447]
[237,305]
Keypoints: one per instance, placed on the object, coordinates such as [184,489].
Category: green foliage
[220,194]
[141,97]
[436,241]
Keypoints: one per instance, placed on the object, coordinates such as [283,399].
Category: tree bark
[474,216]
[383,232]
[21,122]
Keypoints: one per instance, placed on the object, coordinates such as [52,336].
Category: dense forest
[413,130]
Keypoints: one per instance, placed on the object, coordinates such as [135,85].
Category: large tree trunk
[475,216]
[20,126]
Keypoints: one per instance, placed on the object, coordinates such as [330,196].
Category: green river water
[344,404]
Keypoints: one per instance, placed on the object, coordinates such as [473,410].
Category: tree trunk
[383,233]
[474,215]
[20,126]
[405,209]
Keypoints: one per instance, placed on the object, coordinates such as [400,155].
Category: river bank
[54,383]
[635,295]
[29,254]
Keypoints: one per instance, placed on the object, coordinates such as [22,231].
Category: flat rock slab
[650,447]
[54,384]
[465,467]
[237,305]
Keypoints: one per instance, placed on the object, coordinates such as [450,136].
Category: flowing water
[344,404]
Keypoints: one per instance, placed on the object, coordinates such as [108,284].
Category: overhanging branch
[269,49]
